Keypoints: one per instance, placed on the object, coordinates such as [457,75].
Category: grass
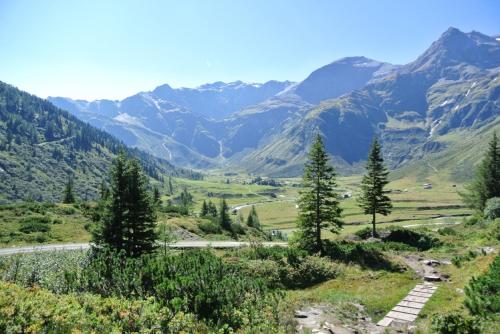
[378,291]
[449,296]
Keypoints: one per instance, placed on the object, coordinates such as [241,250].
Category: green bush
[237,229]
[366,255]
[210,227]
[492,209]
[455,323]
[364,233]
[483,293]
[412,238]
[286,267]
[459,259]
[32,227]
[192,281]
[447,231]
[39,311]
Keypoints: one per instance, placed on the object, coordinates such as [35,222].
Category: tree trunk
[374,232]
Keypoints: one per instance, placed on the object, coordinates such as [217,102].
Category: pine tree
[212,209]
[486,184]
[68,196]
[373,198]
[186,200]
[104,191]
[318,203]
[224,219]
[204,209]
[240,218]
[156,196]
[129,218]
[139,223]
[253,218]
[111,232]
[170,186]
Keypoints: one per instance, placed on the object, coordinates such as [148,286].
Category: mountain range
[414,109]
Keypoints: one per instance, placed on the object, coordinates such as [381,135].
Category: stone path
[408,309]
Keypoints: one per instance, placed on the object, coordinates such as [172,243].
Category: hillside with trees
[42,146]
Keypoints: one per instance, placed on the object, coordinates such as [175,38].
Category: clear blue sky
[113,49]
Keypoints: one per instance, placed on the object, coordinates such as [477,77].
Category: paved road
[179,244]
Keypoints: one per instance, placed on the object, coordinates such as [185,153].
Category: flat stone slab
[386,321]
[411,304]
[401,316]
[422,300]
[432,278]
[409,310]
[420,294]
[424,290]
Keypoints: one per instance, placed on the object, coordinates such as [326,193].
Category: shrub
[311,270]
[483,292]
[365,254]
[454,323]
[237,229]
[412,238]
[39,311]
[447,231]
[210,227]
[32,227]
[459,259]
[364,233]
[492,209]
[192,281]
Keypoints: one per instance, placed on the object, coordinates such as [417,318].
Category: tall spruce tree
[373,198]
[156,196]
[224,219]
[129,218]
[69,196]
[253,218]
[486,184]
[212,209]
[318,203]
[139,224]
[204,209]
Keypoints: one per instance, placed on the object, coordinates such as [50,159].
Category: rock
[431,262]
[432,278]
[487,250]
[301,314]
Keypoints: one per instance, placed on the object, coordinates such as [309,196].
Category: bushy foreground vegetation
[193,286]
[482,301]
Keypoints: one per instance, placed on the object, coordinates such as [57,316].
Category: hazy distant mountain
[268,128]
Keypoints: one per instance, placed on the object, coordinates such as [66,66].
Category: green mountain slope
[41,146]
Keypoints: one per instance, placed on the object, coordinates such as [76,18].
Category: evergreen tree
[212,209]
[253,218]
[486,184]
[186,200]
[224,219]
[240,218]
[204,209]
[318,202]
[139,223]
[111,231]
[170,186]
[156,196]
[129,219]
[373,198]
[68,196]
[104,191]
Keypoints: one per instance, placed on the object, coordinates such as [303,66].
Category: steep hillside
[452,88]
[41,146]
